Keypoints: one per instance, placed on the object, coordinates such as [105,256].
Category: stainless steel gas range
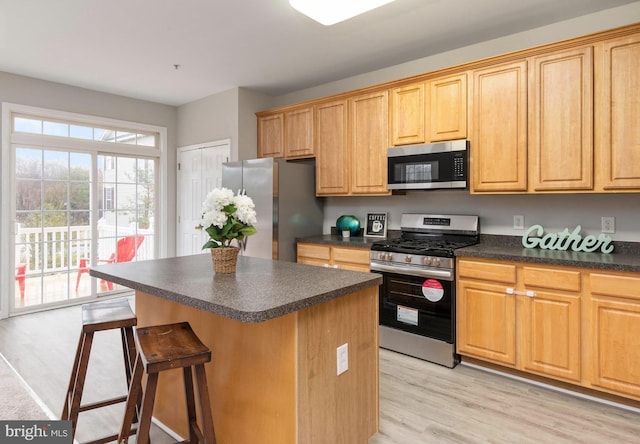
[417,296]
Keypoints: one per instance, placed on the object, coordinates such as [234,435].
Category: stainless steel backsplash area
[554,212]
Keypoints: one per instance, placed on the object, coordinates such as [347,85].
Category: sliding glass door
[75,210]
[77,192]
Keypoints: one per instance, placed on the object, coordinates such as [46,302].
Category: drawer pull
[528,293]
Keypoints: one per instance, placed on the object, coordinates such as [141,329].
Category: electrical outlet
[608,224]
[518,222]
[342,355]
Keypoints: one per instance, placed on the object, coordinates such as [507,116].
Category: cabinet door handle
[528,293]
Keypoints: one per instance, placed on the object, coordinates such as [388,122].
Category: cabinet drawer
[551,278]
[314,251]
[622,286]
[353,255]
[487,271]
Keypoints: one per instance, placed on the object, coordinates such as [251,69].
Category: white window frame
[7,175]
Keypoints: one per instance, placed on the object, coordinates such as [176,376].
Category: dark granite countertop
[338,241]
[625,257]
[260,290]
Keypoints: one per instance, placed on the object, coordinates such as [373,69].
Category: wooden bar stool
[166,347]
[99,316]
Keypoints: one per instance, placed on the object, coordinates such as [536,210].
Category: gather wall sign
[535,237]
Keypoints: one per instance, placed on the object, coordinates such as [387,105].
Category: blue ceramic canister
[348,222]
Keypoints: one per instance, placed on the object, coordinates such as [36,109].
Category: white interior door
[199,171]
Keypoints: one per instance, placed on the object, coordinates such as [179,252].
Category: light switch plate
[608,224]
[518,222]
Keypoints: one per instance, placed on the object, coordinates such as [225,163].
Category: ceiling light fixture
[329,12]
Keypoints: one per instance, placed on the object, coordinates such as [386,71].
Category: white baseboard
[551,387]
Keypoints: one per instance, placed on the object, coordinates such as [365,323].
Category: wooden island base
[275,381]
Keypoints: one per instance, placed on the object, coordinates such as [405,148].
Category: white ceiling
[130,47]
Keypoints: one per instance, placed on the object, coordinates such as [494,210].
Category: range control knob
[382,256]
[407,258]
[435,261]
[426,261]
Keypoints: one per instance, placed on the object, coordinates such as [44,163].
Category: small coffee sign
[535,237]
[376,225]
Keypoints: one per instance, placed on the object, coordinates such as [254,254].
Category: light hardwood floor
[419,402]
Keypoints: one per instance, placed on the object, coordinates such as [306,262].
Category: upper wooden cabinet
[430,111]
[271,135]
[351,146]
[618,118]
[446,102]
[561,121]
[298,133]
[369,138]
[499,128]
[406,114]
[332,149]
[560,118]
[286,134]
[533,124]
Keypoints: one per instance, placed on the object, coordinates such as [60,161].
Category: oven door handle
[446,275]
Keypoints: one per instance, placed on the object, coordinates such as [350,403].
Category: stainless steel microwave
[428,167]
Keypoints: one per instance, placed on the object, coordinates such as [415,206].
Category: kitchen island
[273,328]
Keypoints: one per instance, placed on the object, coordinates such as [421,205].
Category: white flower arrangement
[226,217]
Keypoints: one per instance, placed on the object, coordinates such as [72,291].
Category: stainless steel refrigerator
[286,204]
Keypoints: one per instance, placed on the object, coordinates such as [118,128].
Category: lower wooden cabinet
[346,258]
[576,325]
[486,322]
[614,309]
[522,316]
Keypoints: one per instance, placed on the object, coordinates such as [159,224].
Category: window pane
[52,219]
[28,163]
[81,132]
[146,140]
[56,165]
[79,196]
[28,194]
[126,170]
[103,135]
[23,125]
[55,129]
[126,137]
[124,219]
[29,219]
[55,195]
[80,167]
[127,198]
[80,218]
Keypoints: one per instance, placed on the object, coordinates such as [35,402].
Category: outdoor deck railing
[55,249]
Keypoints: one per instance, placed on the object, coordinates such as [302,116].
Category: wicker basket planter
[224,259]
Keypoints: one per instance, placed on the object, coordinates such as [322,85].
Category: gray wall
[229,114]
[600,21]
[496,212]
[39,93]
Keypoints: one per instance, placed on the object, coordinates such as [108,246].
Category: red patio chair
[21,270]
[125,251]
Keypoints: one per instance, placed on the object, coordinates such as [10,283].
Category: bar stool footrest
[100,404]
